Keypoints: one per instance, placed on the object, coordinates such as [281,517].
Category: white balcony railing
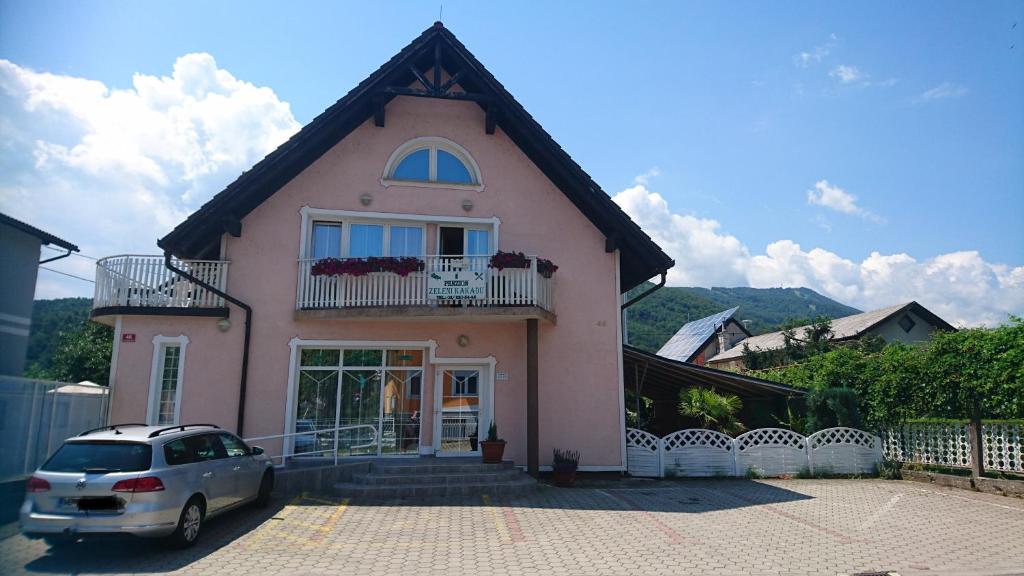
[144,281]
[508,287]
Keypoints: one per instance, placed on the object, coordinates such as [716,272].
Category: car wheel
[266,487]
[189,524]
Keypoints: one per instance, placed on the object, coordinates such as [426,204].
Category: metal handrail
[285,451]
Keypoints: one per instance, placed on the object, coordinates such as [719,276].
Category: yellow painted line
[335,516]
[499,525]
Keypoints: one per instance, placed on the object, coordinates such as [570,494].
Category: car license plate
[102,503]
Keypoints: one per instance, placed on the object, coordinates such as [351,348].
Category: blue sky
[848,128]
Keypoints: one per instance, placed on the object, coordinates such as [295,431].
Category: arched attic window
[432,161]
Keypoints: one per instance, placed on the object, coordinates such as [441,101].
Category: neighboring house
[909,322]
[430,168]
[701,339]
[20,246]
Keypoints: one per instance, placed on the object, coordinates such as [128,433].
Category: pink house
[356,281]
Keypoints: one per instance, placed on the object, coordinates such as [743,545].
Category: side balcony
[142,285]
[435,287]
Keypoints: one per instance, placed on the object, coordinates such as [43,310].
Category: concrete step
[514,486]
[480,476]
[437,466]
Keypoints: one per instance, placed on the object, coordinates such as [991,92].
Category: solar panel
[688,339]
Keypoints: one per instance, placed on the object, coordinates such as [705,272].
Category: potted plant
[564,464]
[493,448]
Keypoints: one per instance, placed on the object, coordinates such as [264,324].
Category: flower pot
[492,451]
[565,477]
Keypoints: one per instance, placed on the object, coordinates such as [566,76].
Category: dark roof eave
[777,388]
[42,235]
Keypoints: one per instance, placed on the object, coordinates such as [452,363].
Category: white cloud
[642,179]
[835,198]
[113,169]
[962,287]
[846,74]
[816,54]
[944,91]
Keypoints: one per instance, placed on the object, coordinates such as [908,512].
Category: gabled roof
[693,336]
[845,328]
[44,237]
[641,257]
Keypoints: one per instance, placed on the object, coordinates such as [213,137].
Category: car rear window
[100,457]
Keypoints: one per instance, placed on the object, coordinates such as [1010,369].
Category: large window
[432,160]
[365,401]
[166,380]
[363,239]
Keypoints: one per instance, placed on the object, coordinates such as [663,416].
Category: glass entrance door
[461,410]
[360,402]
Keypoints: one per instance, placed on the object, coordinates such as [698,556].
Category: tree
[81,354]
[715,411]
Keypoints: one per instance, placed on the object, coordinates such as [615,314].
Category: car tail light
[145,484]
[37,485]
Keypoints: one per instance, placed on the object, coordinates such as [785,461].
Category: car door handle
[237,468]
[208,475]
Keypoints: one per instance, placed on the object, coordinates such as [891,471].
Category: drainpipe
[248,331]
[57,257]
[664,277]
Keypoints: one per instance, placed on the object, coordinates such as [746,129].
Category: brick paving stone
[713,527]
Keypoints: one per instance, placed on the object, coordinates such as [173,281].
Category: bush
[832,407]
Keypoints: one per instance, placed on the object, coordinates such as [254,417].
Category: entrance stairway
[436,477]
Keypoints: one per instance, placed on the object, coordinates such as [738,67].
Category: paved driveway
[628,527]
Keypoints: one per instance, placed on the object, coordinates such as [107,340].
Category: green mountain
[653,320]
[49,319]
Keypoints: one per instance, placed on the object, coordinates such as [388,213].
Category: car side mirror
[256,450]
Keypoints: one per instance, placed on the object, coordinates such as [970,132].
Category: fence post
[807,455]
[974,441]
[735,458]
[661,457]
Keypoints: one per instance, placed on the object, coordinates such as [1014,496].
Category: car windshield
[100,457]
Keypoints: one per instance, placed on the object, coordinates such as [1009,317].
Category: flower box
[403,266]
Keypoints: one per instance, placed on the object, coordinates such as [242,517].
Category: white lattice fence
[768,451]
[643,453]
[1001,445]
[843,451]
[771,452]
[698,452]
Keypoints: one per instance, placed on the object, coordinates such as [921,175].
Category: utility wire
[66,274]
[48,247]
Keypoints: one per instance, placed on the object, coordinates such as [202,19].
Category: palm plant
[714,411]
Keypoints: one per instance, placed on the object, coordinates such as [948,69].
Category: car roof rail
[181,428]
[113,427]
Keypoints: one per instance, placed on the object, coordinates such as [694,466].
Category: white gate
[765,451]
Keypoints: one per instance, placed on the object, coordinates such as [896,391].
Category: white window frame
[433,143]
[491,240]
[160,344]
[346,217]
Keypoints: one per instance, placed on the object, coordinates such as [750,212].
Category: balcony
[421,293]
[133,284]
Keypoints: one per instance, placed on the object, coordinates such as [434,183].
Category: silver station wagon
[152,481]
